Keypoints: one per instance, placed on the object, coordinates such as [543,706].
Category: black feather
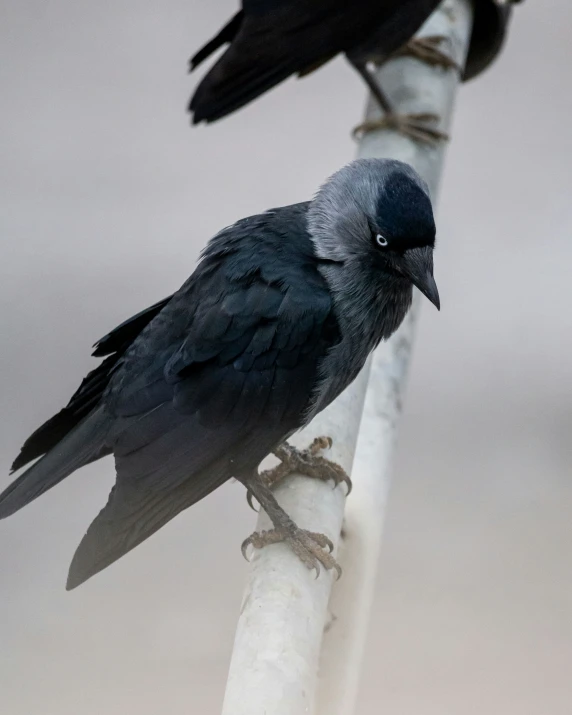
[226,35]
[89,393]
[123,335]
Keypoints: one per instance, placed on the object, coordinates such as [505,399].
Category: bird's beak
[419,270]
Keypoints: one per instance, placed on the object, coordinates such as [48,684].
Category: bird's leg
[308,546]
[415,126]
[427,50]
[306,462]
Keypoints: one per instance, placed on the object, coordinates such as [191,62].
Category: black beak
[419,270]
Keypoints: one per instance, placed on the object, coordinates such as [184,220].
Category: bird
[269,40]
[276,320]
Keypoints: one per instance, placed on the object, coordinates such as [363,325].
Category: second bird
[269,40]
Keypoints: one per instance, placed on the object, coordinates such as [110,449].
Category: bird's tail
[226,35]
[133,513]
[82,445]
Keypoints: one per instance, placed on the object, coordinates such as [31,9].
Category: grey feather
[339,221]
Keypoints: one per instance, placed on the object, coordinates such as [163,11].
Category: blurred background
[107,196]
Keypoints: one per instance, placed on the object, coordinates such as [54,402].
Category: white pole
[274,665]
[417,88]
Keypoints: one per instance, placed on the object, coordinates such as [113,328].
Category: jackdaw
[276,320]
[269,40]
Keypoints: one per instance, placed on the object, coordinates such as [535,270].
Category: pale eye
[381,240]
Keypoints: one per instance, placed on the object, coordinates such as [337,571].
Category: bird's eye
[381,240]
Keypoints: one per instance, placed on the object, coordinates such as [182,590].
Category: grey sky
[107,196]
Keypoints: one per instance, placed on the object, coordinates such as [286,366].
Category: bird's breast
[364,322]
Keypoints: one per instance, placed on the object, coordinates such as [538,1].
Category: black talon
[249,498]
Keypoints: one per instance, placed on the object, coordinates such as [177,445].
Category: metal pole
[274,665]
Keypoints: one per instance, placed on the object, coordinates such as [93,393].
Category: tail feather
[132,515]
[227,34]
[49,435]
[82,445]
[229,86]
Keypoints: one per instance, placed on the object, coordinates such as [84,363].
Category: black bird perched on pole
[269,40]
[277,319]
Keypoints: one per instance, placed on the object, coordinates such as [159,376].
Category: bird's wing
[225,373]
[121,337]
[226,35]
[272,41]
[76,435]
[89,393]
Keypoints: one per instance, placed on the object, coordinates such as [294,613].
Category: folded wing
[226,373]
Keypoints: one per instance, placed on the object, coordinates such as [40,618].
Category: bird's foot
[308,546]
[312,548]
[415,126]
[309,463]
[306,462]
[427,50]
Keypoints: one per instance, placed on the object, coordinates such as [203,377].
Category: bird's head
[376,214]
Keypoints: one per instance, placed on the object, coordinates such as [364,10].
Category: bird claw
[426,49]
[306,462]
[313,549]
[413,126]
[309,546]
[310,464]
[249,498]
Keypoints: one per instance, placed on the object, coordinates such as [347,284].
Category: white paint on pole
[274,665]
